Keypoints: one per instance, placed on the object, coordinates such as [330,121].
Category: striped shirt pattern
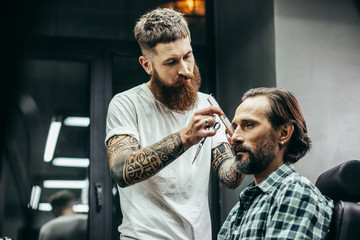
[285,205]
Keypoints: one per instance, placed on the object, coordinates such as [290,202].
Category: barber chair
[342,185]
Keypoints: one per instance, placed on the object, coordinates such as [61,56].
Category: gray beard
[259,159]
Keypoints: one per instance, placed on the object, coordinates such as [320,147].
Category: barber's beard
[259,158]
[180,96]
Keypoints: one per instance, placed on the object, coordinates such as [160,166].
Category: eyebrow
[176,57]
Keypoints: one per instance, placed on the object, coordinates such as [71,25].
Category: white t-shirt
[173,204]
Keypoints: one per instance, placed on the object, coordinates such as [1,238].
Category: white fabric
[173,204]
[71,227]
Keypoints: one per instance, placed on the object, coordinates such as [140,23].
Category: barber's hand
[228,137]
[200,126]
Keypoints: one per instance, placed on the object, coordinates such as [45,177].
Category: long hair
[285,108]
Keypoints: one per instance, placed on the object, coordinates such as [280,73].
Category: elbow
[118,178]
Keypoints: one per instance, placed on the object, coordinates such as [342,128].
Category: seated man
[67,224]
[269,135]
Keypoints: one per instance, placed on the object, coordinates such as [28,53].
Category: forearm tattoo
[130,164]
[222,163]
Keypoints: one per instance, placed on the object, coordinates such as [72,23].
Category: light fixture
[71,162]
[51,140]
[65,184]
[79,208]
[45,207]
[77,121]
[35,197]
[188,7]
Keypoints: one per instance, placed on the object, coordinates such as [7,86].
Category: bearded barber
[152,134]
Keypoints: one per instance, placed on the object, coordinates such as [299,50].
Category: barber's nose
[184,68]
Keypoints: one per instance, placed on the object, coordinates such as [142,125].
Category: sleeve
[298,213]
[121,118]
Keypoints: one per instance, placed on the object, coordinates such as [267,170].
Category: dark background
[62,58]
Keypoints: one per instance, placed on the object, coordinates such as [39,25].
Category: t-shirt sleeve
[121,118]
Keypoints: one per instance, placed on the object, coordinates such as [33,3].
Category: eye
[170,63]
[234,126]
[249,124]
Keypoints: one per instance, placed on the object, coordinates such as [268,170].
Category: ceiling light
[35,197]
[64,184]
[46,207]
[189,7]
[71,162]
[79,208]
[52,140]
[77,121]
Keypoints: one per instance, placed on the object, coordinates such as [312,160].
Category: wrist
[185,139]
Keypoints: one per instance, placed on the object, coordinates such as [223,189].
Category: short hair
[161,25]
[285,108]
[60,201]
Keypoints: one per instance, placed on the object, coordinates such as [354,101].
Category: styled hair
[284,108]
[60,201]
[161,25]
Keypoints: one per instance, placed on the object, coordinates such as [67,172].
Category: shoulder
[297,188]
[130,93]
[131,97]
[296,183]
[202,100]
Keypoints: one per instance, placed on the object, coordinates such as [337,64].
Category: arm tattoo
[130,164]
[223,165]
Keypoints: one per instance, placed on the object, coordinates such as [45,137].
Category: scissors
[201,143]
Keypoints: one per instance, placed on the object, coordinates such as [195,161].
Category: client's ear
[285,131]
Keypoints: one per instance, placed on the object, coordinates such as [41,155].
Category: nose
[184,68]
[237,137]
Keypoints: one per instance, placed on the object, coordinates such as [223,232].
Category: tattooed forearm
[223,164]
[129,164]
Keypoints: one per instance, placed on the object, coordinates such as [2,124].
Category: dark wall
[245,49]
[244,59]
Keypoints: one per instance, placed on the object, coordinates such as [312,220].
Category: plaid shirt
[283,206]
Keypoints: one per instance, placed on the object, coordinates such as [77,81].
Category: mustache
[240,148]
[182,78]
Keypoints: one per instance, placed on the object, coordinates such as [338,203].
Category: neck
[68,212]
[259,177]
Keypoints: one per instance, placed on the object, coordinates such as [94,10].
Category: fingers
[200,126]
[209,111]
[228,137]
[206,122]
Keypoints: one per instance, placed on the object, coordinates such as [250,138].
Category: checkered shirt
[283,206]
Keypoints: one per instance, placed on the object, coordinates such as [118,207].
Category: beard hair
[259,158]
[180,96]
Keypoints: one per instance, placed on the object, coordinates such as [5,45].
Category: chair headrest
[341,182]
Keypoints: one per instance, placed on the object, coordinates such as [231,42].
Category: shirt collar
[274,179]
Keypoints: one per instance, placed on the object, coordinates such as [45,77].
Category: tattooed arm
[130,164]
[223,164]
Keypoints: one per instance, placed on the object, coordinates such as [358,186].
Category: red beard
[182,95]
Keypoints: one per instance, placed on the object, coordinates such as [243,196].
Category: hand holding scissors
[201,143]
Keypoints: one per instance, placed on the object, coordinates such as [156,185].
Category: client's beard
[259,158]
[180,96]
